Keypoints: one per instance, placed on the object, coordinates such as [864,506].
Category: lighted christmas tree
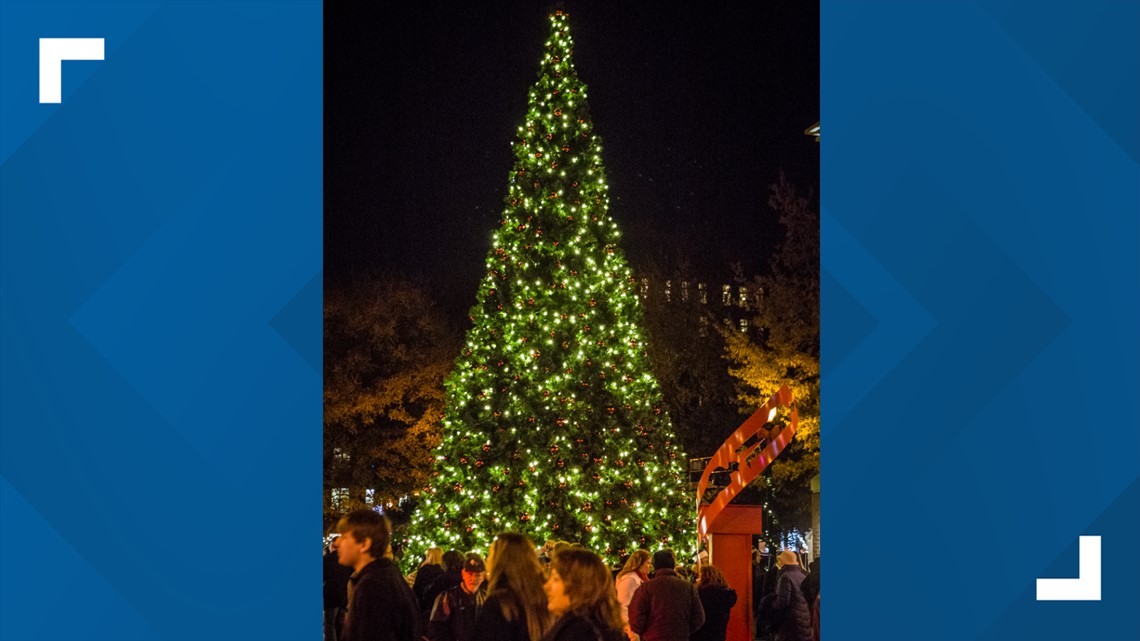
[554,424]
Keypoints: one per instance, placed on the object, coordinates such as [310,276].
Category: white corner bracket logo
[1086,587]
[53,51]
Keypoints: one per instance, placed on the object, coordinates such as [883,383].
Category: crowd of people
[559,592]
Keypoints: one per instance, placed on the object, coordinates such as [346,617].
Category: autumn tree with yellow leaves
[786,352]
[387,351]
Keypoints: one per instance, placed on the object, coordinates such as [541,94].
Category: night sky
[699,106]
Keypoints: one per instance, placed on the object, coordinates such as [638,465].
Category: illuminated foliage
[787,352]
[554,424]
[386,354]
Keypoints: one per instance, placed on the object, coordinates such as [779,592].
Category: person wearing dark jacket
[335,592]
[792,610]
[430,570]
[665,608]
[581,594]
[810,585]
[380,603]
[451,577]
[516,608]
[717,600]
[455,611]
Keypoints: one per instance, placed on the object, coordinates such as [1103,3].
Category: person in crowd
[335,591]
[815,619]
[717,599]
[451,577]
[581,595]
[547,551]
[455,611]
[635,572]
[381,606]
[810,586]
[666,608]
[515,609]
[683,572]
[430,570]
[789,606]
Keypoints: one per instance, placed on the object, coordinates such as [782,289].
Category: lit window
[704,326]
[743,297]
[684,291]
[370,497]
[744,324]
[341,455]
[702,293]
[726,295]
[339,497]
[668,291]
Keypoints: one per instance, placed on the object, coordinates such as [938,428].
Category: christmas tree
[554,424]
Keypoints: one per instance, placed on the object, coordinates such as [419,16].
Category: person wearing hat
[792,614]
[454,613]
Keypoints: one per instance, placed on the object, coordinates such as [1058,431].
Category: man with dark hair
[381,606]
[455,611]
[665,608]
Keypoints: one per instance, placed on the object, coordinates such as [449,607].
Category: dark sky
[699,106]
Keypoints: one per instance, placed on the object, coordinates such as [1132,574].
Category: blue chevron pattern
[161,257]
[980,187]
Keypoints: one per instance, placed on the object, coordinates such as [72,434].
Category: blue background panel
[981,204]
[160,243]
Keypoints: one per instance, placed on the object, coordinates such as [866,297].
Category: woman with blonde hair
[580,593]
[430,570]
[632,575]
[515,609]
